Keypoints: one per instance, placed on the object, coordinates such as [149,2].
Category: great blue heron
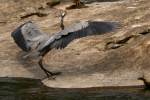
[77,3]
[36,43]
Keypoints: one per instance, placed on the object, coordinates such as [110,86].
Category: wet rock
[118,58]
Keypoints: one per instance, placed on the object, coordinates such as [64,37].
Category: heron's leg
[48,73]
[78,3]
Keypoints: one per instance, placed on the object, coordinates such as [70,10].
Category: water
[32,89]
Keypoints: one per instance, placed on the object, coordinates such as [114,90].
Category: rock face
[118,58]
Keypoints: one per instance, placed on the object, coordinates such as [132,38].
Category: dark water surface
[32,89]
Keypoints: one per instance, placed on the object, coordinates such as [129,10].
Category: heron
[37,43]
[77,3]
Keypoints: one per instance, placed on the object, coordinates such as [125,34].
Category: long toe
[55,73]
[52,75]
[49,78]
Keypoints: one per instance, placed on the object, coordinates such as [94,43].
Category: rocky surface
[118,58]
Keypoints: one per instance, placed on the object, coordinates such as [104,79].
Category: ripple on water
[33,89]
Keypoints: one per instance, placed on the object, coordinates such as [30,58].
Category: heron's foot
[49,74]
[52,75]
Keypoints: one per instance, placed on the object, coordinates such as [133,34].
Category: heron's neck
[62,23]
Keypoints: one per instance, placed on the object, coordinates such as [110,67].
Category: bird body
[30,39]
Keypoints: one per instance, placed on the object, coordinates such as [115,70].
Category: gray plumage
[30,39]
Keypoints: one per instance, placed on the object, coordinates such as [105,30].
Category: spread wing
[28,37]
[78,30]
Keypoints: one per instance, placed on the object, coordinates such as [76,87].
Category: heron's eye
[30,33]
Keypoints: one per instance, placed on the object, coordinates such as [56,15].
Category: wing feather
[28,37]
[63,38]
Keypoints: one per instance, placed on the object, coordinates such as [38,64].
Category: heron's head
[63,13]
